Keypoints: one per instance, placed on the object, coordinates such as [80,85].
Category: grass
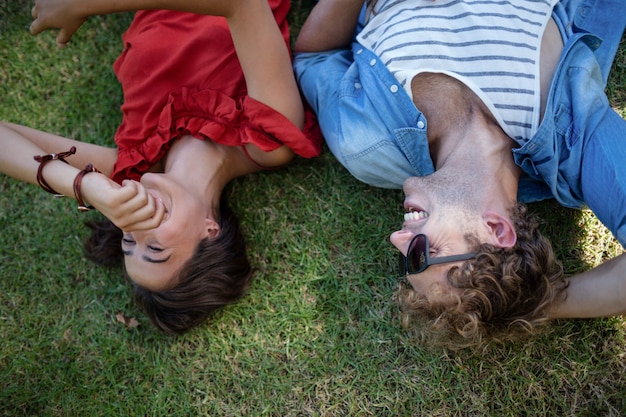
[318,335]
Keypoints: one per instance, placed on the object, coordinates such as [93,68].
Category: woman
[185,77]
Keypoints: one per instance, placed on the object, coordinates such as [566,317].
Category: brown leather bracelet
[43,160]
[78,180]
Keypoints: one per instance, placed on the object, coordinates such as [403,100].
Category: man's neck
[480,152]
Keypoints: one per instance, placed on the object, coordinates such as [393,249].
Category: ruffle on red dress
[211,115]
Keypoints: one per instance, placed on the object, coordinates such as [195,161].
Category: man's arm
[600,292]
[330,25]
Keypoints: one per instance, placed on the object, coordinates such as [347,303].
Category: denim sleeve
[604,18]
[603,173]
[319,75]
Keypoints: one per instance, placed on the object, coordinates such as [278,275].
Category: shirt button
[357,85]
[372,62]
[420,124]
[393,88]
[359,52]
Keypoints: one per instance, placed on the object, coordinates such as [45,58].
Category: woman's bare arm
[101,157]
[261,49]
[130,207]
[69,15]
[265,59]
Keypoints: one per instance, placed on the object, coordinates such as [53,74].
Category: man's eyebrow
[147,258]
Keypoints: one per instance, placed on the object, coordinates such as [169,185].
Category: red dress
[180,76]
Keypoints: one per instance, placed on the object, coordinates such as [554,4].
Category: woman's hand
[130,206]
[64,15]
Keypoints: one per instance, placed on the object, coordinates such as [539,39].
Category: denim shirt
[373,128]
[368,121]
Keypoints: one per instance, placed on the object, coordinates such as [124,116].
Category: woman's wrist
[78,189]
[56,176]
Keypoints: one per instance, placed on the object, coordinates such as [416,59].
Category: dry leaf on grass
[129,322]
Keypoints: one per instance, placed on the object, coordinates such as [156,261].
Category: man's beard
[445,189]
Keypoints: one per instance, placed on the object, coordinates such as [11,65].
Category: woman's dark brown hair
[218,274]
[503,294]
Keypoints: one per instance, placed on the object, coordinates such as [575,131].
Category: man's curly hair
[504,292]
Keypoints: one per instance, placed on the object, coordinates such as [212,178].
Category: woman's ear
[501,229]
[212,227]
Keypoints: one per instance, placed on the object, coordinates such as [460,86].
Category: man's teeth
[415,215]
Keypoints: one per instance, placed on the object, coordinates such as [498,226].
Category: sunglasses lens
[416,256]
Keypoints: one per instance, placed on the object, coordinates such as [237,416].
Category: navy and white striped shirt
[499,61]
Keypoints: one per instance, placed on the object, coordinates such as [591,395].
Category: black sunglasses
[418,257]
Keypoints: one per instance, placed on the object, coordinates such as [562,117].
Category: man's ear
[212,227]
[501,229]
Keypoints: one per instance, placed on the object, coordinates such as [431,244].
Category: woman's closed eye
[131,242]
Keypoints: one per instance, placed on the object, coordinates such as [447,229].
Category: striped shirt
[492,46]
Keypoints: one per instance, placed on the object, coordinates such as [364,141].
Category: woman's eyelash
[127,241]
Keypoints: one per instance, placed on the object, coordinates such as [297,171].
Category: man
[471,107]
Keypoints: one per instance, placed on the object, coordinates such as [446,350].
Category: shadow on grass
[563,227]
[579,240]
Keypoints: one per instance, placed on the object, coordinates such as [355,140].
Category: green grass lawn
[318,334]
